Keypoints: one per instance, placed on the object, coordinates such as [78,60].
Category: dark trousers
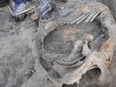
[3,2]
[21,1]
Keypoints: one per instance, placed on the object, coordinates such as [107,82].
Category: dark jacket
[21,1]
[3,2]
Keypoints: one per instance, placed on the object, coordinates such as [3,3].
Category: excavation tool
[32,10]
[9,9]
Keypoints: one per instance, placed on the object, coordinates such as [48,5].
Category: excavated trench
[16,63]
[61,41]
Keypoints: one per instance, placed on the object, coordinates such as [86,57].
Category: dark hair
[3,2]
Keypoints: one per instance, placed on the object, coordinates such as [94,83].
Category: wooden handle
[9,9]
[22,12]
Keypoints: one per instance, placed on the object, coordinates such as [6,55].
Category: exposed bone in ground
[19,60]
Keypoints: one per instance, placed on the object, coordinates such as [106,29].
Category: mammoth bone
[75,66]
